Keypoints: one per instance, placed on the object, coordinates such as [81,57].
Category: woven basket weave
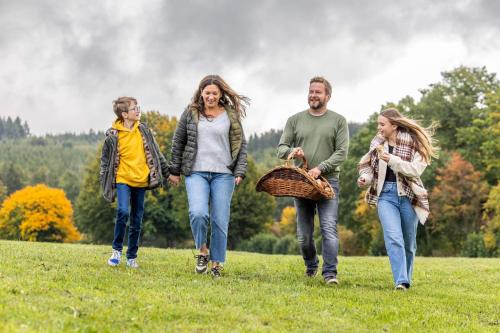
[291,181]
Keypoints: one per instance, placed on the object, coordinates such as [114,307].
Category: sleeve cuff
[393,160]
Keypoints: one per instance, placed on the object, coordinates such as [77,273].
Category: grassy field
[57,287]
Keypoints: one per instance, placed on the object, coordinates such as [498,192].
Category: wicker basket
[291,181]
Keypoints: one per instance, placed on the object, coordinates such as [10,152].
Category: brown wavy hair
[229,97]
[422,136]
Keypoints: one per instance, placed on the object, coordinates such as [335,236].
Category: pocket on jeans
[387,188]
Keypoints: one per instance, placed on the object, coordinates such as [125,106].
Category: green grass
[57,287]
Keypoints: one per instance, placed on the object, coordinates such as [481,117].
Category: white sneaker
[115,258]
[132,263]
[201,263]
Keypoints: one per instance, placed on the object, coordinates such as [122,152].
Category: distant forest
[463,183]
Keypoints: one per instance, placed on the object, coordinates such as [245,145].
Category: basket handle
[292,155]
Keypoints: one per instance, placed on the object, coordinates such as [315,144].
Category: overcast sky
[63,62]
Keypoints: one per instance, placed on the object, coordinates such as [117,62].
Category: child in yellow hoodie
[131,162]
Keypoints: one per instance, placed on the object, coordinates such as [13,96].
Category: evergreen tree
[3,192]
[12,177]
[251,211]
[70,182]
[94,216]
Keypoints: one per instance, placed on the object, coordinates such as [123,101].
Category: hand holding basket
[291,181]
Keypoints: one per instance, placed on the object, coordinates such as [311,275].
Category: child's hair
[122,104]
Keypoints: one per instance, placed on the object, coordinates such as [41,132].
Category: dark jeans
[133,197]
[327,212]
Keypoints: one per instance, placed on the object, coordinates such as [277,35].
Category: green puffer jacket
[184,145]
[158,167]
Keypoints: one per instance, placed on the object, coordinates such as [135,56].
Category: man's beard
[318,106]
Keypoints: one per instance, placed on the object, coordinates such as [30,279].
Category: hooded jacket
[132,169]
[110,161]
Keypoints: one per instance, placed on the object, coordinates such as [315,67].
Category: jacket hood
[119,126]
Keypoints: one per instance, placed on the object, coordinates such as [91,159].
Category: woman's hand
[174,180]
[238,180]
[361,182]
[385,156]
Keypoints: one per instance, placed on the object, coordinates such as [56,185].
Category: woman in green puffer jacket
[210,150]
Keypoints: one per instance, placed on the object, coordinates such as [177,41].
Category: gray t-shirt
[214,150]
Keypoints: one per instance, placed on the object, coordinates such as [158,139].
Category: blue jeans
[133,197]
[327,212]
[214,190]
[399,222]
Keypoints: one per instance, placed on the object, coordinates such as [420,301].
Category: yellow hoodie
[132,169]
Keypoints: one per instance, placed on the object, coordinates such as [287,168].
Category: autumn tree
[288,221]
[38,213]
[163,127]
[455,102]
[482,138]
[369,237]
[491,216]
[456,203]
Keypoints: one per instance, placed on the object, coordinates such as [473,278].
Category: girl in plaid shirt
[391,168]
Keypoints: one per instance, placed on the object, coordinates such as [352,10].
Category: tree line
[13,128]
[462,184]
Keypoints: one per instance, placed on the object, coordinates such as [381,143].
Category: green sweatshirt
[324,139]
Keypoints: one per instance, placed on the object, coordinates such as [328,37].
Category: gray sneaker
[331,279]
[132,263]
[115,258]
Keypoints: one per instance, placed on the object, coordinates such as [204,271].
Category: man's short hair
[320,79]
[122,104]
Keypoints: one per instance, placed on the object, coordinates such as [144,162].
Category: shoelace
[201,260]
[216,270]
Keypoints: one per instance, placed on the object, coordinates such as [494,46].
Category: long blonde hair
[422,136]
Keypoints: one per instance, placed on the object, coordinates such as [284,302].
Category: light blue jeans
[209,197]
[327,210]
[399,222]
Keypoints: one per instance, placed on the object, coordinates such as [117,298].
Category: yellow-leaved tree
[288,226]
[38,213]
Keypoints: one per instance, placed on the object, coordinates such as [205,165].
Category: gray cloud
[70,59]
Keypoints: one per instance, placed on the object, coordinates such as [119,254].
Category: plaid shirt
[411,186]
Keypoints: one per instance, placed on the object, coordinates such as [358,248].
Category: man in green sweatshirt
[322,137]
